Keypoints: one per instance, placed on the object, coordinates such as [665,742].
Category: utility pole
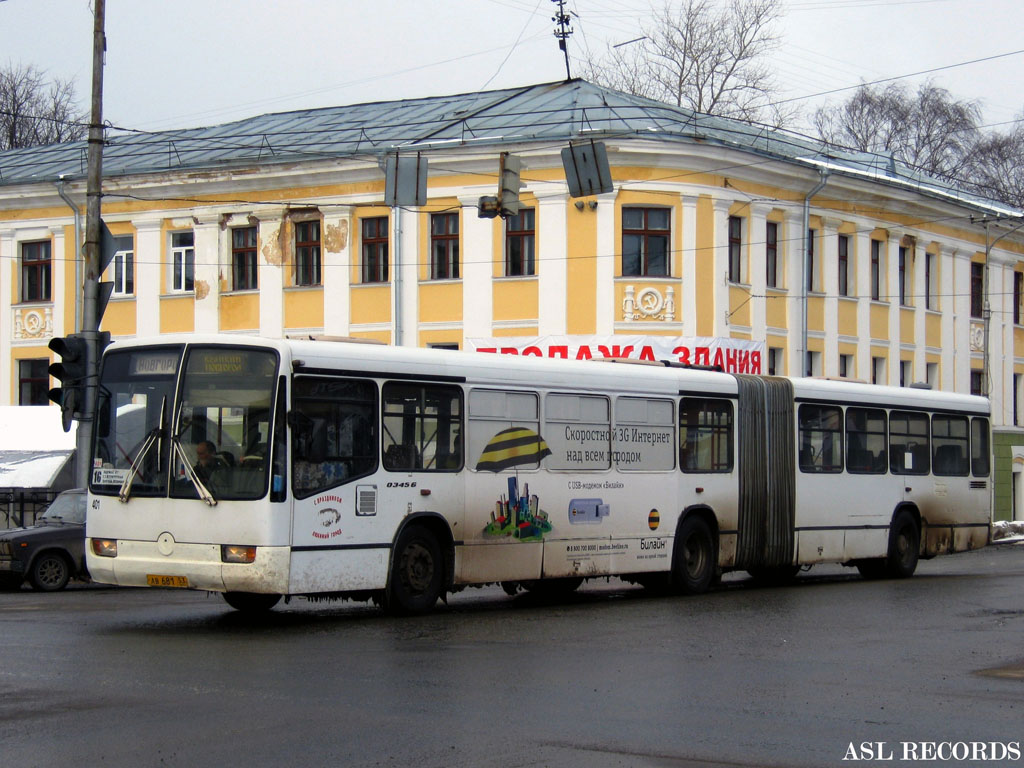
[562,32]
[90,286]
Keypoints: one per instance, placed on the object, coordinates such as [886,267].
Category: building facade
[840,264]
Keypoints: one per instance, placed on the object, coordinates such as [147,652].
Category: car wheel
[50,572]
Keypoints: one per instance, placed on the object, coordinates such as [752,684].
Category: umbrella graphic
[511,448]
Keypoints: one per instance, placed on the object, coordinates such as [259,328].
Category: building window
[183,262]
[35,271]
[735,249]
[375,249]
[844,265]
[123,266]
[810,261]
[444,246]
[929,281]
[878,370]
[307,253]
[775,361]
[905,373]
[244,271]
[977,287]
[876,270]
[520,244]
[977,378]
[931,375]
[645,236]
[771,254]
[1018,295]
[904,276]
[33,382]
[846,366]
[1017,378]
[813,362]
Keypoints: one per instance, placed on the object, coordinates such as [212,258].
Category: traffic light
[509,185]
[71,372]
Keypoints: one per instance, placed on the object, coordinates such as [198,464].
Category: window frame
[843,258]
[36,271]
[771,254]
[735,253]
[879,463]
[37,381]
[444,247]
[977,290]
[308,251]
[374,249]
[182,262]
[646,234]
[876,270]
[723,427]
[244,260]
[525,241]
[810,423]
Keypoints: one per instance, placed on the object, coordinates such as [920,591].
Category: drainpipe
[78,250]
[807,264]
[396,222]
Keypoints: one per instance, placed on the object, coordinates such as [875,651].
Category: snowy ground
[1004,532]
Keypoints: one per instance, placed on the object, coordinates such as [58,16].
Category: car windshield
[66,508]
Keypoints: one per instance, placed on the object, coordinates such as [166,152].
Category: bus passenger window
[821,438]
[422,427]
[334,432]
[705,435]
[949,446]
[909,453]
[979,447]
[866,443]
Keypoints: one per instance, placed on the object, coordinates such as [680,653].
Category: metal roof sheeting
[553,112]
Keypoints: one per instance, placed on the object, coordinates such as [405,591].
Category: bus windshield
[156,437]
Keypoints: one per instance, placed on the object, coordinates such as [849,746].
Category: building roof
[572,110]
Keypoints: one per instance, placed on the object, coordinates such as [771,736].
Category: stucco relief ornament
[977,337]
[32,324]
[649,304]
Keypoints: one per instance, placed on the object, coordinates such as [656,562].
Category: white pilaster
[893,284]
[606,250]
[862,276]
[829,247]
[8,265]
[148,271]
[719,281]
[207,276]
[792,245]
[757,273]
[687,302]
[271,260]
[552,264]
[338,256]
[477,254]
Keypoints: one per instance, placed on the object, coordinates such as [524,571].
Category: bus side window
[908,443]
[866,441]
[950,446]
[422,427]
[334,432]
[980,447]
[821,438]
[705,435]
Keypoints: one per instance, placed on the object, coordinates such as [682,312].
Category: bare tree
[709,57]
[929,130]
[997,166]
[34,111]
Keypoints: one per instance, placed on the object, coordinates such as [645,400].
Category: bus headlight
[104,547]
[230,553]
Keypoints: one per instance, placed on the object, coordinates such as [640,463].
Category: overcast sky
[184,63]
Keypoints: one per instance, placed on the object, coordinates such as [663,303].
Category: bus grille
[979,485]
[366,500]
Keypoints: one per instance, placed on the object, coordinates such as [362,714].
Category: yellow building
[279,225]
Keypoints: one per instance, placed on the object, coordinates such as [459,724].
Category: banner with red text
[731,355]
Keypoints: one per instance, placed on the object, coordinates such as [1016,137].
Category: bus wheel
[904,546]
[251,602]
[417,569]
[50,572]
[693,557]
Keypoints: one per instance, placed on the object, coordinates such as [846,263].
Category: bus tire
[251,602]
[50,572]
[693,557]
[904,546]
[417,572]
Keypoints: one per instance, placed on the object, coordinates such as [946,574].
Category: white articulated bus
[264,468]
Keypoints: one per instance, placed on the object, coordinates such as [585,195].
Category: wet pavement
[611,676]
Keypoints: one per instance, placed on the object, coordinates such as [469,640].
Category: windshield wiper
[156,437]
[190,473]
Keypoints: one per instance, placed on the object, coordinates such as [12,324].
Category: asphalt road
[743,676]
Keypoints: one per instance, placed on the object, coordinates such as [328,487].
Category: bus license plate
[157,580]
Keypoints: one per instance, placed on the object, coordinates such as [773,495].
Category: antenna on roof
[562,32]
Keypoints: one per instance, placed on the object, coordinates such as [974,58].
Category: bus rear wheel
[417,571]
[250,602]
[693,557]
[904,546]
